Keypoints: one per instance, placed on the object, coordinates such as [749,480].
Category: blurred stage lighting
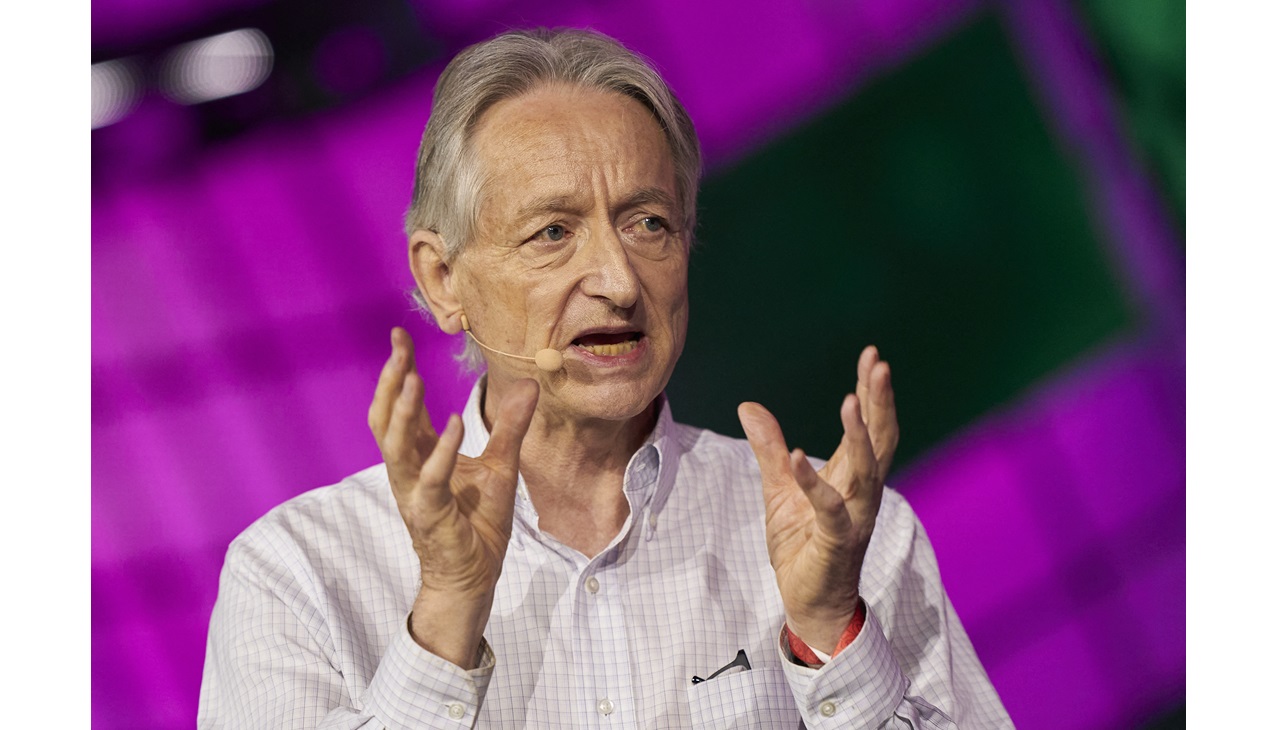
[212,68]
[117,86]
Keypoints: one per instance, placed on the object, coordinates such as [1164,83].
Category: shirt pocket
[756,698]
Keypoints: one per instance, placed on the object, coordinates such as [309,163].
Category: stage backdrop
[990,192]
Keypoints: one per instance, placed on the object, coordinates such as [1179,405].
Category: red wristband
[801,650]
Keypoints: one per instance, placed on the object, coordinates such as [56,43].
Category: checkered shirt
[310,629]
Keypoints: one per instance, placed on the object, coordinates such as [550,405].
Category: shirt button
[456,710]
[827,708]
[605,706]
[593,586]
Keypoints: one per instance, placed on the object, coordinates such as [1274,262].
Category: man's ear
[435,279]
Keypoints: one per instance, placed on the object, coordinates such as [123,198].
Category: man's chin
[608,401]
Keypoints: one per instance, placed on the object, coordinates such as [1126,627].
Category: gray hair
[447,183]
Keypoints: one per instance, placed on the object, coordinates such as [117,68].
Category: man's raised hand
[818,523]
[458,510]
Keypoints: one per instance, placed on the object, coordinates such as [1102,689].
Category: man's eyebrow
[549,204]
[643,196]
[566,204]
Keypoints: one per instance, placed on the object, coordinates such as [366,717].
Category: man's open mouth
[609,344]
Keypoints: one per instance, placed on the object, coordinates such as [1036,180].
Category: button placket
[600,626]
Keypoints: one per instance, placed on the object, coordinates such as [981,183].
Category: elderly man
[564,554]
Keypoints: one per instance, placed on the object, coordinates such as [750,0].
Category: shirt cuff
[858,688]
[414,688]
[813,658]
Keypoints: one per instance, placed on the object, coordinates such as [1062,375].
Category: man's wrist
[450,628]
[813,657]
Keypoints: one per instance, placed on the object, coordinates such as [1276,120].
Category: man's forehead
[566,124]
[549,150]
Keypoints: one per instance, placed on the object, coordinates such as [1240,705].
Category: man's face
[575,250]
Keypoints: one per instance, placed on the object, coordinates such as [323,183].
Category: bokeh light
[220,66]
[117,87]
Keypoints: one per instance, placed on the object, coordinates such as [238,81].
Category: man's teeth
[620,348]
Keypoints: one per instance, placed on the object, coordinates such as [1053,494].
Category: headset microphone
[547,359]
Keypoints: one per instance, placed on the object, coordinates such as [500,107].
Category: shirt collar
[650,472]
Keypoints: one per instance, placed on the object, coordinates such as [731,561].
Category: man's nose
[609,273]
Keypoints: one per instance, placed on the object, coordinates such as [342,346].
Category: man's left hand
[818,523]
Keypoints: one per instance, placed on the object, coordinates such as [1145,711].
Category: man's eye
[554,232]
[653,224]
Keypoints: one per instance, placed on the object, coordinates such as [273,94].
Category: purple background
[241,302]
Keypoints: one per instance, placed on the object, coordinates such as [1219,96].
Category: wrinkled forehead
[570,142]
[563,107]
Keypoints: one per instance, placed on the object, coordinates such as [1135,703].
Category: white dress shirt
[310,628]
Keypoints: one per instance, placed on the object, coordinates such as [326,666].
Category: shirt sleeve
[270,660]
[911,665]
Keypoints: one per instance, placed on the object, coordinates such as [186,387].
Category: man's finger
[401,337]
[385,393]
[828,505]
[515,413]
[401,448]
[866,363]
[391,382]
[433,479]
[860,466]
[839,468]
[765,436]
[883,425]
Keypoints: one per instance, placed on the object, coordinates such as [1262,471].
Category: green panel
[931,214]
[1143,44]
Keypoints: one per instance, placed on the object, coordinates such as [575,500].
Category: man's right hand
[458,510]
